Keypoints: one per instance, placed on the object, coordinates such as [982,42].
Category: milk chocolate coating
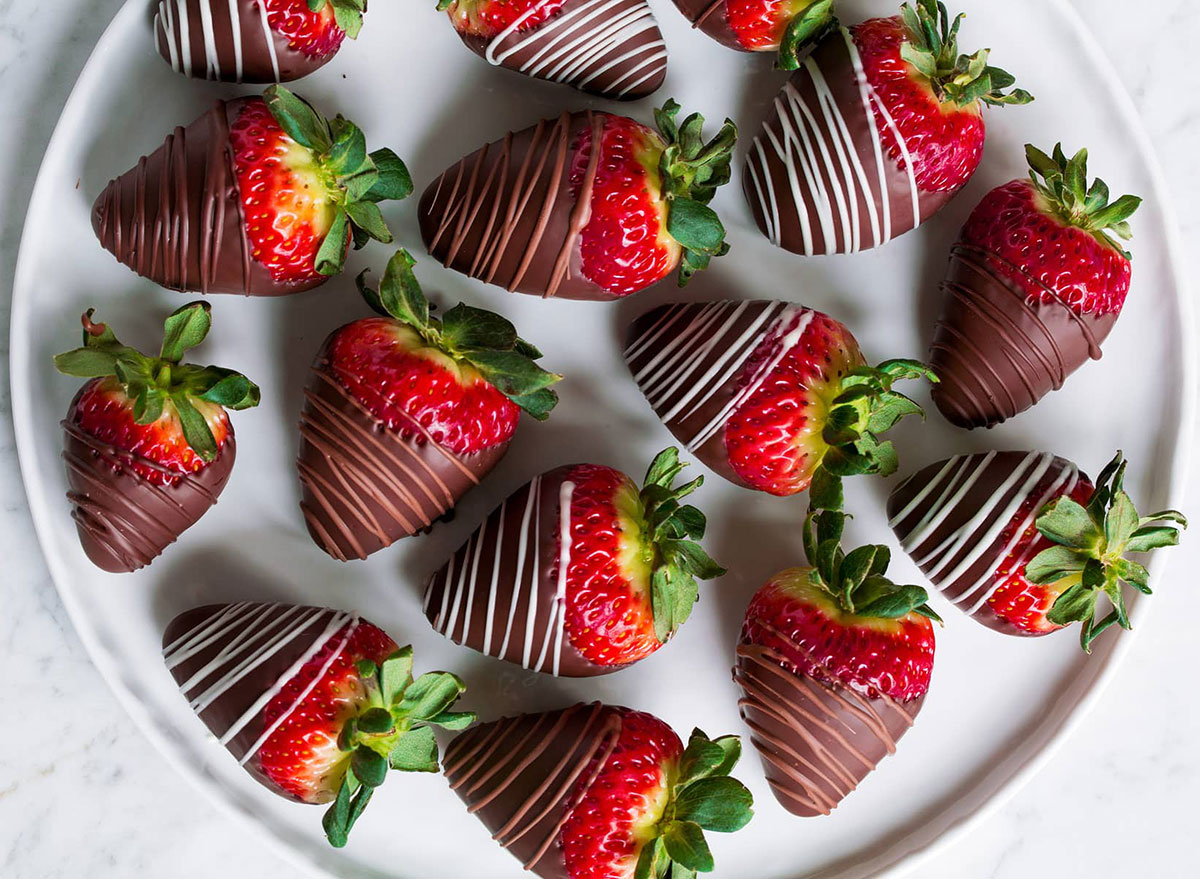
[176,218]
[499,593]
[610,48]
[229,42]
[999,350]
[231,660]
[711,17]
[819,178]
[522,776]
[507,214]
[961,518]
[124,520]
[366,486]
[817,740]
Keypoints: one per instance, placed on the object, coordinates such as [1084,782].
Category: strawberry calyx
[701,797]
[1090,547]
[932,49]
[393,731]
[806,29]
[691,170]
[347,13]
[1062,184]
[481,338]
[357,180]
[163,383]
[672,531]
[866,408]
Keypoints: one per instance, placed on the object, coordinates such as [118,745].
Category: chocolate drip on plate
[231,660]
[610,48]
[176,218]
[503,592]
[508,214]
[229,41]
[817,741]
[818,177]
[961,518]
[522,776]
[998,350]
[366,486]
[124,520]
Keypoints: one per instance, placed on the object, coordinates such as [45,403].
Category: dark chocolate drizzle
[506,213]
[522,776]
[997,349]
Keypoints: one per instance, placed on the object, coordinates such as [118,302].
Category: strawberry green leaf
[539,404]
[430,695]
[86,363]
[195,428]
[148,406]
[233,391]
[454,720]
[299,119]
[393,182]
[1053,564]
[1075,604]
[473,329]
[400,294]
[395,675]
[691,558]
[415,751]
[685,845]
[369,767]
[691,521]
[700,759]
[349,150]
[721,804]
[185,328]
[663,604]
[647,862]
[367,217]
[1065,522]
[1147,539]
[664,468]
[806,29]
[1121,522]
[331,256]
[895,604]
[1063,184]
[336,820]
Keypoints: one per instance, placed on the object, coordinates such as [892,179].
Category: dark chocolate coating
[960,519]
[366,486]
[522,776]
[610,48]
[124,520]
[711,17]
[507,215]
[817,740]
[998,350]
[824,195]
[231,659]
[176,218]
[234,45]
[499,592]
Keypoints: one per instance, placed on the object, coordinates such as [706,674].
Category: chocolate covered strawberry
[877,129]
[1025,543]
[768,394]
[261,196]
[598,791]
[585,206]
[610,48]
[254,40]
[1035,284]
[783,26]
[316,704]
[404,413]
[580,572]
[834,662]
[147,441]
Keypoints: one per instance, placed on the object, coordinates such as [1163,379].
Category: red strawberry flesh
[760,24]
[315,34]
[490,18]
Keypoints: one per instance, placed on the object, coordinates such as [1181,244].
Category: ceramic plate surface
[997,705]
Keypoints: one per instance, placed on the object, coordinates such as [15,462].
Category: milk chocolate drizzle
[997,349]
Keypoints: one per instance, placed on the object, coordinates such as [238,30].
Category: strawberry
[890,111]
[1025,543]
[599,792]
[769,394]
[634,210]
[579,572]
[1035,284]
[317,704]
[405,412]
[490,18]
[148,443]
[263,41]
[261,196]
[834,662]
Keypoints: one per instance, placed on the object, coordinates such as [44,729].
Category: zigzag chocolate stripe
[522,776]
[366,486]
[817,742]
[953,518]
[125,521]
[227,40]
[818,176]
[611,48]
[503,592]
[997,349]
[506,214]
[231,660]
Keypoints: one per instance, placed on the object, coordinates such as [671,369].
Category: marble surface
[83,794]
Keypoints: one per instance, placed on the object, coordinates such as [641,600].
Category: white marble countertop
[83,794]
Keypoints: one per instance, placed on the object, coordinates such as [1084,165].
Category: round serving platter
[997,706]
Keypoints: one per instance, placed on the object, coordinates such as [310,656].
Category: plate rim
[105,660]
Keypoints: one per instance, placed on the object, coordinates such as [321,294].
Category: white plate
[997,705]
